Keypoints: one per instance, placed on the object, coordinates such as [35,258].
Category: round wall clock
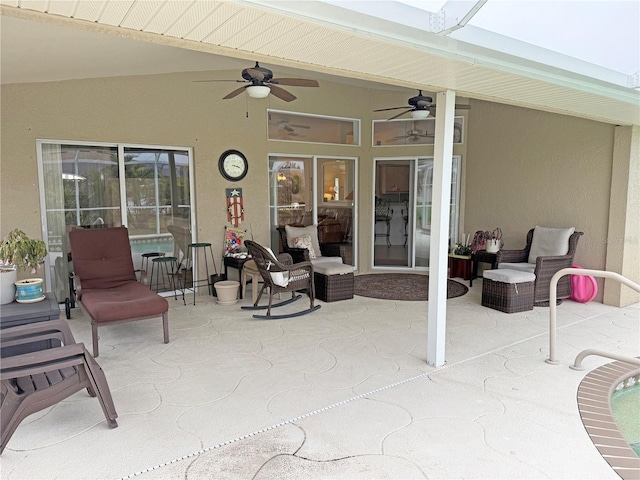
[233,165]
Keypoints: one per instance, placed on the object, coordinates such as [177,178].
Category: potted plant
[493,240]
[19,252]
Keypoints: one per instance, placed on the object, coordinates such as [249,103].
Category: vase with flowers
[19,252]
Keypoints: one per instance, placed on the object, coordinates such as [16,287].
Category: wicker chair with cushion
[31,382]
[303,244]
[280,274]
[108,289]
[547,251]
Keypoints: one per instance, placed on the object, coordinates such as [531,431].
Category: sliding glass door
[107,185]
[314,190]
[402,211]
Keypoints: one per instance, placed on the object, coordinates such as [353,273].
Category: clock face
[233,165]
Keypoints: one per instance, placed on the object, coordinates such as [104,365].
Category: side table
[461,266]
[14,313]
[238,264]
[484,257]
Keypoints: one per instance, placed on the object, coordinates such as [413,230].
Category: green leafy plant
[462,250]
[20,251]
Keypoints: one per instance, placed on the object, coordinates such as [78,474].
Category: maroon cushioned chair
[109,291]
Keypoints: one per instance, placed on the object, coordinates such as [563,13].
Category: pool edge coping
[594,405]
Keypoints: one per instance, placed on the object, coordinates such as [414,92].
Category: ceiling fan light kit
[258,91]
[419,114]
[260,83]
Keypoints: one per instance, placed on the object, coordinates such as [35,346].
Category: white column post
[439,248]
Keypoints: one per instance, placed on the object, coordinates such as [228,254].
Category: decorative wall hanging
[233,241]
[235,207]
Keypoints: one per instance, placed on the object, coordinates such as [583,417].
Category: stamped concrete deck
[342,393]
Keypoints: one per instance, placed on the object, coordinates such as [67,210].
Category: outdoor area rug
[401,286]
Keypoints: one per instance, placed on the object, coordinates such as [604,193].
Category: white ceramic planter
[492,246]
[29,290]
[8,278]
[227,292]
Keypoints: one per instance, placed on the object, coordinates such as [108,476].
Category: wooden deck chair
[33,381]
[280,274]
[107,288]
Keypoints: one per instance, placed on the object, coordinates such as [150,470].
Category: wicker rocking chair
[280,274]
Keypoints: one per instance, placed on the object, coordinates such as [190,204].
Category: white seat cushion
[322,260]
[522,267]
[332,268]
[549,242]
[507,275]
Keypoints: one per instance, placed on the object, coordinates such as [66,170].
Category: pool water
[625,407]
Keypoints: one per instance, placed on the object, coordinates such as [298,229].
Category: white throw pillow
[304,241]
[311,230]
[279,278]
[549,242]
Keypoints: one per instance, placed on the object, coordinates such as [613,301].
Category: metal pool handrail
[553,294]
[577,364]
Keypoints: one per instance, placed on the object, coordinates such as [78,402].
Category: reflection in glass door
[336,203]
[100,185]
[327,198]
[393,213]
[410,211]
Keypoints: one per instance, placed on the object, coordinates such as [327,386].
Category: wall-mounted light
[258,91]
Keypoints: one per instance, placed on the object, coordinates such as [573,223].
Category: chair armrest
[32,332]
[285,258]
[333,250]
[42,361]
[546,267]
[512,256]
[298,254]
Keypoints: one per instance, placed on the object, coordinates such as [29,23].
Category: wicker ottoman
[333,281]
[507,290]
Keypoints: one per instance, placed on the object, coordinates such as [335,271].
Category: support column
[623,235]
[439,247]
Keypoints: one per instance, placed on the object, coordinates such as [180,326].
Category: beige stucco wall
[527,167]
[521,167]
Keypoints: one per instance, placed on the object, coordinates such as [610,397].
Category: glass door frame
[411,225]
[316,186]
[121,181]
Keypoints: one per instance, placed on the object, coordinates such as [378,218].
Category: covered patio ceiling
[49,41]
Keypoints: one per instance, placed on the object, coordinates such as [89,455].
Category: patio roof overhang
[304,36]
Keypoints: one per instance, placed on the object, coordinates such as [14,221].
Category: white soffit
[393,55]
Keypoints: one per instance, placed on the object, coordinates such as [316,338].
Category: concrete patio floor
[342,393]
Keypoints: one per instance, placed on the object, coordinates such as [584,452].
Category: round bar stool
[165,270]
[146,257]
[193,250]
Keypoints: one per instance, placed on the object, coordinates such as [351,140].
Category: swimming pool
[625,407]
[594,404]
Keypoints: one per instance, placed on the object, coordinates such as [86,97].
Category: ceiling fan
[420,107]
[260,83]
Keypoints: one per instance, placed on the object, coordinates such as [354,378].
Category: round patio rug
[401,286]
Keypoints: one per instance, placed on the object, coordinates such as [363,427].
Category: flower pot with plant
[19,252]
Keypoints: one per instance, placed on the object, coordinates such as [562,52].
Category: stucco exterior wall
[527,167]
[520,167]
